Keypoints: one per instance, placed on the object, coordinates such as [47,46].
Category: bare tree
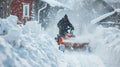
[5,8]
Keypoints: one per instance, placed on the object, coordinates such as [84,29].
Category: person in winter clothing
[64,25]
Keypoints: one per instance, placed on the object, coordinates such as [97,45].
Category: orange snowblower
[69,42]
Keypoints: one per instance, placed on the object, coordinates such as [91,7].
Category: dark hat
[65,16]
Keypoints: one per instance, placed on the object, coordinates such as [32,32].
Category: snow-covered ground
[25,46]
[28,46]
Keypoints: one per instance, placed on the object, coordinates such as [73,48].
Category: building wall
[17,9]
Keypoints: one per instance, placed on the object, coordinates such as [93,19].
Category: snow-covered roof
[117,10]
[104,16]
[112,0]
[54,3]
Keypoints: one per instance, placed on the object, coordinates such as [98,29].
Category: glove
[72,28]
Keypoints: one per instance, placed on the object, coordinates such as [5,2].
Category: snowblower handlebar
[70,30]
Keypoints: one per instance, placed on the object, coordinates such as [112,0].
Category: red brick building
[22,9]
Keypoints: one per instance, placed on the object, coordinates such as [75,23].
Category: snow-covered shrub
[10,30]
[3,27]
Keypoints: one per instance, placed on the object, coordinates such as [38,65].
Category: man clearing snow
[66,39]
[64,25]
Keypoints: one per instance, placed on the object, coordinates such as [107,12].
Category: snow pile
[28,46]
[79,59]
[106,45]
[14,31]
[105,42]
[3,27]
[25,46]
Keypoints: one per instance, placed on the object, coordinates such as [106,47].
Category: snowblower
[69,42]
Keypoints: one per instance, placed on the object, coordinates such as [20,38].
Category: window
[25,10]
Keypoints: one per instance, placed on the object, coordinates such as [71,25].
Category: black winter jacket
[65,25]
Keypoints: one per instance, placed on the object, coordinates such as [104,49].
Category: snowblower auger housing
[66,41]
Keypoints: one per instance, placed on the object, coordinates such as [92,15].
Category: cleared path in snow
[79,59]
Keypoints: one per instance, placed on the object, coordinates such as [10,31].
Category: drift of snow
[107,45]
[26,46]
[79,59]
[31,47]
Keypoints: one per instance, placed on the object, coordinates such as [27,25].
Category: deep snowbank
[28,46]
[24,46]
[106,45]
